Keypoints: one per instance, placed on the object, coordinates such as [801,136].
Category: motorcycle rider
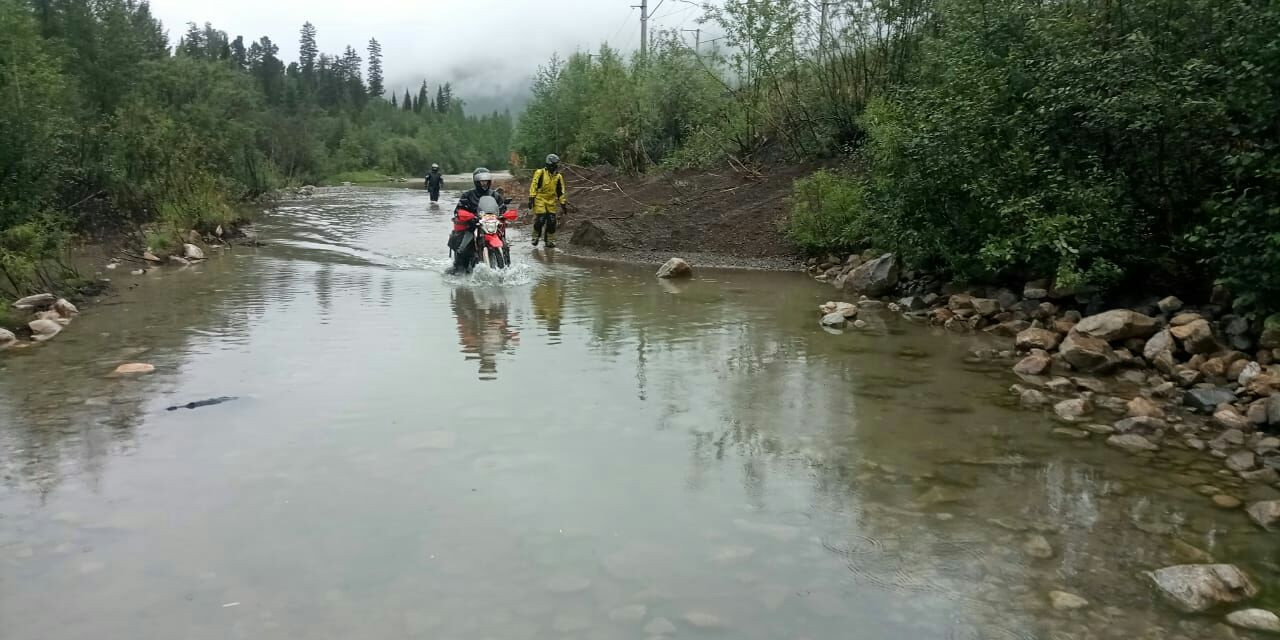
[482,181]
[546,196]
[433,182]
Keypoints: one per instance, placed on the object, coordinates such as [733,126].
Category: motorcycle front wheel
[496,259]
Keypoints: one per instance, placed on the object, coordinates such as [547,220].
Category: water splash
[516,275]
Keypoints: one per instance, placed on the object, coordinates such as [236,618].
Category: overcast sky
[487,48]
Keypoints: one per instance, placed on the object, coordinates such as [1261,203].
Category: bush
[828,213]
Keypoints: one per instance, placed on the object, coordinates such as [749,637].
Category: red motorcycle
[484,237]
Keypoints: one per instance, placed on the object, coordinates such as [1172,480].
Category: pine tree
[307,52]
[422,98]
[192,44]
[407,104]
[393,100]
[440,100]
[239,56]
[375,69]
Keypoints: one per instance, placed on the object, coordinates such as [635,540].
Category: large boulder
[1273,410]
[675,268]
[875,277]
[1117,324]
[1196,336]
[1088,354]
[1036,338]
[38,301]
[589,234]
[65,308]
[7,338]
[1270,338]
[1195,588]
[1265,513]
[43,329]
[192,252]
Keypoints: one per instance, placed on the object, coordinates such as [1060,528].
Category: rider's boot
[551,240]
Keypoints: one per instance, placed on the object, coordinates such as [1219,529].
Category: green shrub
[828,213]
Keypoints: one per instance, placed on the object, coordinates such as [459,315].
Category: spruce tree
[375,69]
[407,104]
[308,52]
[422,97]
[393,100]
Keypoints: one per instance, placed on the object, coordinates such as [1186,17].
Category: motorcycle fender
[494,241]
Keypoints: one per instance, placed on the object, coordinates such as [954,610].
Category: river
[572,450]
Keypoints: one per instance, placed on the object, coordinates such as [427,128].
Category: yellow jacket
[547,190]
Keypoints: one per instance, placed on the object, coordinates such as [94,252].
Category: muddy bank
[715,219]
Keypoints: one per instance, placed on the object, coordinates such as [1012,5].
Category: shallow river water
[571,450]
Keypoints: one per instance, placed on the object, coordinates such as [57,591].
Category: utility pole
[644,28]
[697,38]
[822,28]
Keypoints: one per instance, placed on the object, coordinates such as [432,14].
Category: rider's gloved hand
[531,204]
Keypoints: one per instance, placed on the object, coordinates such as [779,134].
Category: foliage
[104,125]
[828,213]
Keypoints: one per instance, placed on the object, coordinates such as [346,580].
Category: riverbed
[571,449]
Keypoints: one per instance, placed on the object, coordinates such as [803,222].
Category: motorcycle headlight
[490,225]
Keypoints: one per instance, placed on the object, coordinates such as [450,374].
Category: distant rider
[482,180]
[546,196]
[434,180]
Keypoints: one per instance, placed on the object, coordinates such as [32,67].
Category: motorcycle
[484,237]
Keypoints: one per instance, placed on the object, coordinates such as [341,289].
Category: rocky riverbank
[1153,379]
[42,317]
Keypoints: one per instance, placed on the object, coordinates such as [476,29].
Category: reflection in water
[484,329]
[671,456]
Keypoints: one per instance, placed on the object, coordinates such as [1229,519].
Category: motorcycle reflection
[483,328]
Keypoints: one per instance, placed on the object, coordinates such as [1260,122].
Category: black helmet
[482,174]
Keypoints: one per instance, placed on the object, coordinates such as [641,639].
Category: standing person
[546,196]
[434,181]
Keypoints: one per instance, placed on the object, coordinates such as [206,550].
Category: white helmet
[435,166]
[553,158]
[481,174]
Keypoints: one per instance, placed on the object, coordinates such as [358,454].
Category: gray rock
[192,252]
[1069,433]
[1087,354]
[1037,546]
[1063,601]
[1251,370]
[1036,290]
[1141,407]
[38,301]
[1060,385]
[1117,324]
[65,308]
[675,268]
[834,320]
[874,278]
[1265,513]
[1141,423]
[44,329]
[1036,338]
[1100,429]
[1132,443]
[1195,588]
[986,306]
[1242,461]
[1073,409]
[1170,304]
[1008,329]
[1033,399]
[180,261]
[1255,620]
[7,338]
[1229,418]
[912,303]
[1206,400]
[1273,410]
[1038,363]
[1266,475]
[1159,343]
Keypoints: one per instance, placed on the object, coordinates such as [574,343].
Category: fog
[488,50]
